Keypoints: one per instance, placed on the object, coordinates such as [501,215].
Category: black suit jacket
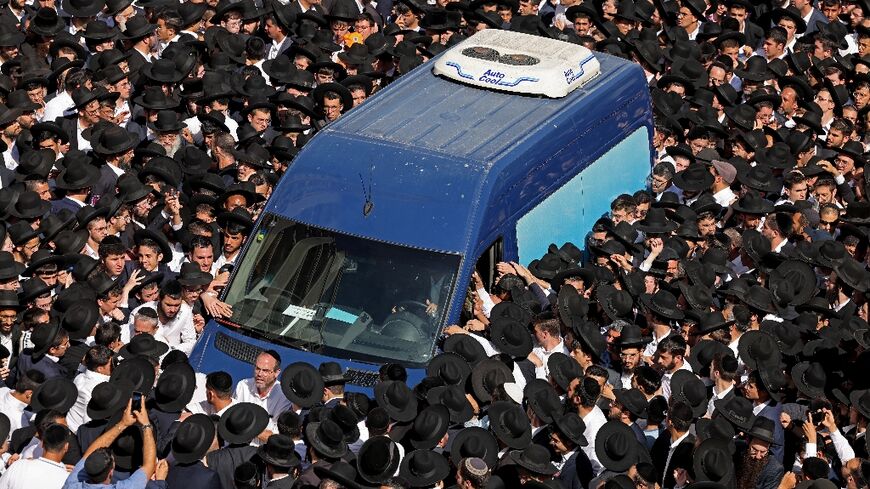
[47,366]
[659,455]
[106,184]
[576,465]
[754,34]
[69,124]
[225,461]
[193,475]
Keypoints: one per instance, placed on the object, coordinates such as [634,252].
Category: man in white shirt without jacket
[47,471]
[264,389]
[98,361]
[174,316]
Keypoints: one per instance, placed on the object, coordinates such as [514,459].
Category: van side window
[486,263]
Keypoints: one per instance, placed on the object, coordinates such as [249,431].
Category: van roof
[425,149]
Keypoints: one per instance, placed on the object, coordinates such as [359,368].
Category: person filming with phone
[97,466]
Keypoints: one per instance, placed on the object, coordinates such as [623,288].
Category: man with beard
[115,145]
[264,389]
[755,467]
[10,128]
[175,318]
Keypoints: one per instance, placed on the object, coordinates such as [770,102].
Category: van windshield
[341,295]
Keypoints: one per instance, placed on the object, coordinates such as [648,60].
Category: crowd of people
[710,332]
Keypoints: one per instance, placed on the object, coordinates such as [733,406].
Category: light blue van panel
[569,213]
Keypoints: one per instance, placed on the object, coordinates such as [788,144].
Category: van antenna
[367,193]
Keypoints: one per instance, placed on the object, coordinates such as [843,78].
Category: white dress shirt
[274,402]
[13,408]
[179,333]
[543,371]
[78,414]
[593,421]
[59,106]
[33,473]
[715,397]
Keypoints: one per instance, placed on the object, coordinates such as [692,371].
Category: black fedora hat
[397,400]
[534,458]
[167,121]
[302,384]
[616,303]
[30,290]
[511,336]
[755,70]
[83,8]
[633,400]
[332,374]
[695,178]
[616,446]
[148,234]
[810,379]
[762,429]
[662,303]
[712,461]
[162,71]
[510,424]
[759,298]
[242,422]
[9,267]
[144,345]
[137,371]
[154,98]
[791,13]
[487,375]
[463,345]
[860,400]
[541,396]
[687,387]
[564,369]
[378,459]
[758,349]
[46,23]
[570,303]
[852,273]
[193,438]
[474,442]
[57,393]
[325,437]
[632,337]
[572,427]
[450,367]
[191,275]
[239,216]
[175,387]
[279,451]
[423,468]
[42,337]
[753,203]
[76,176]
[342,91]
[547,267]
[109,398]
[341,472]
[347,420]
[656,222]
[453,398]
[114,140]
[737,410]
[79,319]
[429,427]
[29,206]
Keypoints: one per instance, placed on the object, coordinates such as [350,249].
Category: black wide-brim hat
[83,8]
[238,216]
[810,379]
[757,349]
[42,337]
[510,424]
[397,400]
[511,337]
[463,345]
[712,461]
[30,290]
[487,375]
[193,438]
[109,398]
[687,387]
[57,393]
[474,442]
[616,446]
[242,422]
[378,459]
[162,71]
[534,459]
[338,88]
[737,410]
[302,384]
[656,222]
[450,367]
[144,345]
[77,176]
[114,140]
[453,398]
[662,305]
[175,387]
[429,427]
[423,468]
[324,437]
[142,234]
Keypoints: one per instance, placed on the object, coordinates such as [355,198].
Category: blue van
[489,152]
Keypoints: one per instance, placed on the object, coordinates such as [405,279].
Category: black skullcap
[378,419]
[174,356]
